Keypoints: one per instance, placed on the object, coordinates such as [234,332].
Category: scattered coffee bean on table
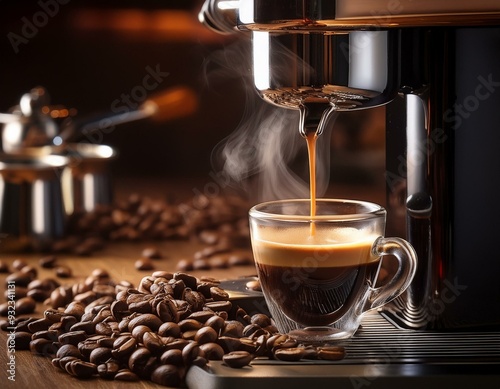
[48,262]
[144,264]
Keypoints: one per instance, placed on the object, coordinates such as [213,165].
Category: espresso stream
[314,273]
[311,138]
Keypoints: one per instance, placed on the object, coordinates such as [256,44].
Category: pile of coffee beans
[156,332]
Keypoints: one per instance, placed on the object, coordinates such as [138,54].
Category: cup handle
[407,258]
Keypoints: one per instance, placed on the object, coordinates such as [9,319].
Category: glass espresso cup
[319,274]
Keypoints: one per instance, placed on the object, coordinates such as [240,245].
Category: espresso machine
[435,64]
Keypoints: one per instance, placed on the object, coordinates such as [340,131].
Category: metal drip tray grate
[378,340]
[379,356]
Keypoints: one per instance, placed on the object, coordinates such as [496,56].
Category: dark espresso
[319,297]
[314,280]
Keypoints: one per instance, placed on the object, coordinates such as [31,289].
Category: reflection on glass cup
[319,275]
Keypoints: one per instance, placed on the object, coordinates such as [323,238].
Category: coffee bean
[138,332]
[185,265]
[72,337]
[289,354]
[43,346]
[119,309]
[331,353]
[106,341]
[126,375]
[82,369]
[48,262]
[172,357]
[167,311]
[189,325]
[147,319]
[22,340]
[100,355]
[39,325]
[99,273]
[39,295]
[252,330]
[237,359]
[229,344]
[202,316]
[151,253]
[167,375]
[102,290]
[104,328]
[310,352]
[201,264]
[144,264]
[108,370]
[4,309]
[94,243]
[254,285]
[143,306]
[45,334]
[59,297]
[142,362]
[88,345]
[218,294]
[4,267]
[233,328]
[63,271]
[209,237]
[190,352]
[82,250]
[19,278]
[75,309]
[189,280]
[153,342]
[219,305]
[18,264]
[5,325]
[206,335]
[218,262]
[212,351]
[261,320]
[123,347]
[102,312]
[199,361]
[210,251]
[68,350]
[169,329]
[21,324]
[176,344]
[62,362]
[28,269]
[87,326]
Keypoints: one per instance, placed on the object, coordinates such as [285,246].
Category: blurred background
[93,56]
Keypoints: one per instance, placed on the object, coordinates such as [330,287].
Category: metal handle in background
[172,103]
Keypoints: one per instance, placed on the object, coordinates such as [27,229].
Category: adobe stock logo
[31,26]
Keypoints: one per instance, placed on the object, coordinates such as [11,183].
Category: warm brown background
[91,52]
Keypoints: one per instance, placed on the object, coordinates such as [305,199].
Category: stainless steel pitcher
[32,210]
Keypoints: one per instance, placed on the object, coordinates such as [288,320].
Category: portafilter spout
[299,59]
